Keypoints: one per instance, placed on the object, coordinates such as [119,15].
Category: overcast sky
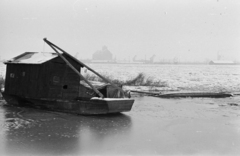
[186,29]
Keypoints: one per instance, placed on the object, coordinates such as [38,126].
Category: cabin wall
[10,79]
[22,80]
[63,81]
[55,79]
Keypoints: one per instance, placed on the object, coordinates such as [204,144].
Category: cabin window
[56,79]
[23,73]
[65,87]
[12,75]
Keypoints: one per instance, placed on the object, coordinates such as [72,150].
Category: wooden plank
[25,74]
[35,80]
[43,81]
[195,94]
[145,92]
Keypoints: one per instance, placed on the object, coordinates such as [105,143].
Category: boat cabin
[46,75]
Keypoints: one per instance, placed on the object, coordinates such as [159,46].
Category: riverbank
[154,126]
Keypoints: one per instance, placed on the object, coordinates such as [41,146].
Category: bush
[142,80]
[139,80]
[2,82]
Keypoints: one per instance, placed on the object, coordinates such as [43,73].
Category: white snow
[39,58]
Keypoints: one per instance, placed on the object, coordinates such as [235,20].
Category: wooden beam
[144,92]
[105,79]
[74,69]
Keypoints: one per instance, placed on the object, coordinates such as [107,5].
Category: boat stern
[115,105]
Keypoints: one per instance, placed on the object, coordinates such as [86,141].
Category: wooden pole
[144,92]
[105,79]
[69,64]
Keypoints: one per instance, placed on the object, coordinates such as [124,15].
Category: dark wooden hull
[85,107]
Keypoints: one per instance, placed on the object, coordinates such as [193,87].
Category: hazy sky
[186,29]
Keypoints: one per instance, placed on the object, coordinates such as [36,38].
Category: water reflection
[38,132]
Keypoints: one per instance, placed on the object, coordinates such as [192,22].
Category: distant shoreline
[157,63]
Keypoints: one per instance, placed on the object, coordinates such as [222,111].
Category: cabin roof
[32,58]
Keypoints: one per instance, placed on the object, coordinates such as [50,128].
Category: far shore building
[103,55]
[222,62]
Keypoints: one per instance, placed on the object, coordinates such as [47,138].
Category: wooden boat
[54,81]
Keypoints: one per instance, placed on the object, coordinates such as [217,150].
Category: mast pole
[74,69]
[105,79]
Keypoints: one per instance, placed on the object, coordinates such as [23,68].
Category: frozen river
[153,127]
[180,77]
[177,77]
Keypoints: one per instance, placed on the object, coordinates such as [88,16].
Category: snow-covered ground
[2,70]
